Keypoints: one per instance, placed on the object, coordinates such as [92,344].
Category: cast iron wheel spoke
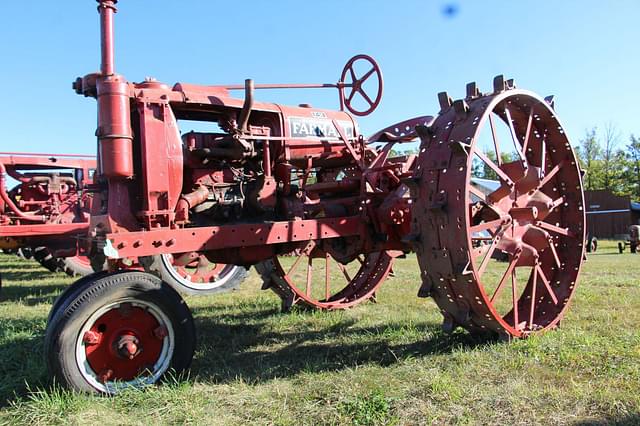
[492,248]
[351,95]
[327,277]
[514,137]
[514,298]
[547,285]
[543,155]
[495,168]
[503,280]
[309,274]
[553,228]
[295,264]
[496,142]
[557,202]
[527,133]
[554,252]
[548,176]
[344,272]
[532,307]
[485,226]
[475,191]
[354,79]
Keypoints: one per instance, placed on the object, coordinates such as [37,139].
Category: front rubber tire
[71,292]
[86,298]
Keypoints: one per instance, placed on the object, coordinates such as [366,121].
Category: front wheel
[122,330]
[193,274]
[76,266]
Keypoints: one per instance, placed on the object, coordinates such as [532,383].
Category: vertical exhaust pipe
[114,133]
[106,9]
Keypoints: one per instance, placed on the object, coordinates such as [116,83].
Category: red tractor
[321,211]
[46,216]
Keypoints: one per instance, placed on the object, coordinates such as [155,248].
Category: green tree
[611,159]
[590,155]
[631,172]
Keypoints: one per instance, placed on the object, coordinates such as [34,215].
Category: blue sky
[583,52]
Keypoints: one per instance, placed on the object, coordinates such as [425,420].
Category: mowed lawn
[382,363]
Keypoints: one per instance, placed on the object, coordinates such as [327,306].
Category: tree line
[609,163]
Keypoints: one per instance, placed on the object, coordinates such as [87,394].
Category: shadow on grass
[29,291]
[25,274]
[246,346]
[608,253]
[624,420]
[21,357]
[30,294]
[255,353]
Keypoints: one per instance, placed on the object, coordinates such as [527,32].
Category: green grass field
[383,363]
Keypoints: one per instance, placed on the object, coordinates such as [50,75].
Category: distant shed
[609,215]
[635,213]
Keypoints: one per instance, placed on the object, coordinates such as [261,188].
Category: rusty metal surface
[49,205]
[535,216]
[145,243]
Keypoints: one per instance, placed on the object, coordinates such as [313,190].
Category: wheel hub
[127,346]
[123,342]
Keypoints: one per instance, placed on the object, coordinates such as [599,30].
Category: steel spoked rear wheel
[314,278]
[499,179]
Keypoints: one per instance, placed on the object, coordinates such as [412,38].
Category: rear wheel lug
[91,338]
[160,332]
[105,375]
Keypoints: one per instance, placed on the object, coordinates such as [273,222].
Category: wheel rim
[534,215]
[314,278]
[82,261]
[128,343]
[194,271]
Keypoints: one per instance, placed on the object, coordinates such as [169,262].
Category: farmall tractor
[46,216]
[320,210]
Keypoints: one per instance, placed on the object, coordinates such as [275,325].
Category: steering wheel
[355,84]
